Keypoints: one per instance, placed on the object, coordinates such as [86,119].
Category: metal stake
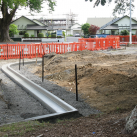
[23,56]
[19,60]
[76,82]
[42,68]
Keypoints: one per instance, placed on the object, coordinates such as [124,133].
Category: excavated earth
[106,81]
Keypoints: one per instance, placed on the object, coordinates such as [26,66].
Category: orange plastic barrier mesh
[13,51]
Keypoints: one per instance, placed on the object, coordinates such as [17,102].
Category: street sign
[59,32]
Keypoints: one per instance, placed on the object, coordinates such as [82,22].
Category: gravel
[61,92]
[17,105]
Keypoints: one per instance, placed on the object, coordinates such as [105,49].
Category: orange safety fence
[101,43]
[13,51]
[124,39]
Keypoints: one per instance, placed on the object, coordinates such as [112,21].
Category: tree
[121,6]
[124,32]
[93,29]
[13,30]
[85,28]
[9,7]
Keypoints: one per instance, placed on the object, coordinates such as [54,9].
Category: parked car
[77,35]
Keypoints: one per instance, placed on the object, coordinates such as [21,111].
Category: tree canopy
[13,30]
[93,29]
[9,7]
[121,6]
[85,28]
[124,32]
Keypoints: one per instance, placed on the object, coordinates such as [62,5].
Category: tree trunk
[5,33]
[5,22]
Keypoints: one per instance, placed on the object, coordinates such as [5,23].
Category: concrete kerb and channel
[57,107]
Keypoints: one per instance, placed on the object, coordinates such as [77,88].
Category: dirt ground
[106,82]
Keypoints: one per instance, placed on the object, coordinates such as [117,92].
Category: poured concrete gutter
[55,105]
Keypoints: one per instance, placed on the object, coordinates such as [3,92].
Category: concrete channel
[57,107]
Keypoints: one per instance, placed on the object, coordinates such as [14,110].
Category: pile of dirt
[106,82]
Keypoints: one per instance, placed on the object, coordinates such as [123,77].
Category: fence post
[23,56]
[7,50]
[42,68]
[76,82]
[19,60]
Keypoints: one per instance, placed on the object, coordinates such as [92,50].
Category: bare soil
[107,82]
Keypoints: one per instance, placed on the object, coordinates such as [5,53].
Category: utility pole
[130,26]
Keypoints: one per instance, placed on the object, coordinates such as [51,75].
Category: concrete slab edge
[65,110]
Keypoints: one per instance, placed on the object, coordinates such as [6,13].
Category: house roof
[38,22]
[112,22]
[98,21]
[35,27]
[134,26]
[56,27]
[26,18]
[112,27]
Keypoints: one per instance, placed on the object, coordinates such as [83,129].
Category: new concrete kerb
[57,107]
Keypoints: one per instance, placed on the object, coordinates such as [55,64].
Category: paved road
[72,39]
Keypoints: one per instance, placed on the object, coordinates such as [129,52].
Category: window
[22,32]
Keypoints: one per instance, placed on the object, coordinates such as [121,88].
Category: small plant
[124,32]
[63,33]
[26,35]
[53,35]
[32,35]
[59,37]
[40,35]
[70,35]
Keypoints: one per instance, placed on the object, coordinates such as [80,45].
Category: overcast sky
[82,9]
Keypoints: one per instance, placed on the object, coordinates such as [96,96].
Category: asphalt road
[68,39]
[72,39]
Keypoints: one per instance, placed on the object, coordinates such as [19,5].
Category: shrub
[93,29]
[70,35]
[124,32]
[32,35]
[85,28]
[49,36]
[13,30]
[59,37]
[53,35]
[63,33]
[40,35]
[26,35]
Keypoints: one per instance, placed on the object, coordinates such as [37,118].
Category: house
[33,27]
[72,30]
[116,25]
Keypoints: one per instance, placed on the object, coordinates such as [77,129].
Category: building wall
[22,22]
[44,32]
[31,32]
[125,22]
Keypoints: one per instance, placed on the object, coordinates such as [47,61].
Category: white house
[76,28]
[115,26]
[33,27]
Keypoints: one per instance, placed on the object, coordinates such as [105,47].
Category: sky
[82,9]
